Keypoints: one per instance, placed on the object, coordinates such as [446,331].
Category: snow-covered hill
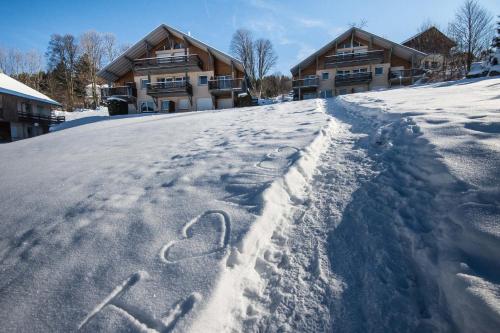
[369,212]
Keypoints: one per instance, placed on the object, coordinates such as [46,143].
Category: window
[360,70]
[144,83]
[379,70]
[426,64]
[202,80]
[39,109]
[183,104]
[147,106]
[342,72]
[324,76]
[434,64]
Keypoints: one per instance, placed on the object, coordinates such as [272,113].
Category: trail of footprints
[207,234]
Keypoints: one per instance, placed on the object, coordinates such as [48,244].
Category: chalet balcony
[128,93]
[224,86]
[354,78]
[45,119]
[168,64]
[354,59]
[311,82]
[171,88]
[406,73]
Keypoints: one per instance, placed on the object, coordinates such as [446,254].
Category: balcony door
[224,81]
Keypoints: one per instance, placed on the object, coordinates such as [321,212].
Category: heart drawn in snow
[205,234]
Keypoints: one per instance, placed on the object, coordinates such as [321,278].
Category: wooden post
[300,89]
[232,76]
[390,65]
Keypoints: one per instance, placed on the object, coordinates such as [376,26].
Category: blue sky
[296,28]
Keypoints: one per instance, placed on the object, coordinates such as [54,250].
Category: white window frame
[379,74]
[199,80]
[323,76]
[144,86]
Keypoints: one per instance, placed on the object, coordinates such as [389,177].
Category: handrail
[358,52]
[51,119]
[306,82]
[233,83]
[169,56]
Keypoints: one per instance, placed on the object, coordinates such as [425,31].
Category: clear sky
[296,28]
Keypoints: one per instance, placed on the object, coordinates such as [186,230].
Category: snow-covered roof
[398,49]
[121,65]
[13,87]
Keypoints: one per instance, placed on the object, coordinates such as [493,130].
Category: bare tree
[361,24]
[242,48]
[111,50]
[471,29]
[266,59]
[3,60]
[92,46]
[33,67]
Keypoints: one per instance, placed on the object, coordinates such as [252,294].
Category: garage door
[204,104]
[224,103]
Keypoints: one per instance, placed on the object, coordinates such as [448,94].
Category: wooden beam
[168,37]
[112,74]
[211,59]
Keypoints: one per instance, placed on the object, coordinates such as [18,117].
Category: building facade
[353,62]
[169,71]
[24,112]
[435,44]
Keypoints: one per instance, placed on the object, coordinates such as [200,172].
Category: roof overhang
[399,50]
[30,97]
[122,64]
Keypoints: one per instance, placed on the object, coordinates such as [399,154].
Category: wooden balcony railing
[128,91]
[168,63]
[406,73]
[48,119]
[341,60]
[305,83]
[226,84]
[348,79]
[171,88]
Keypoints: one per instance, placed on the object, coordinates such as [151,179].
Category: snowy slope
[126,223]
[372,212]
[396,230]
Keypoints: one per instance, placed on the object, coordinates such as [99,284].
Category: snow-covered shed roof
[397,49]
[13,87]
[121,65]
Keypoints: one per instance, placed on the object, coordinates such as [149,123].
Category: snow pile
[80,117]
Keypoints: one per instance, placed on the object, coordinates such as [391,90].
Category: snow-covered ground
[369,212]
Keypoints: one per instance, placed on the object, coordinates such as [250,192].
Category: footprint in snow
[206,234]
[280,159]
